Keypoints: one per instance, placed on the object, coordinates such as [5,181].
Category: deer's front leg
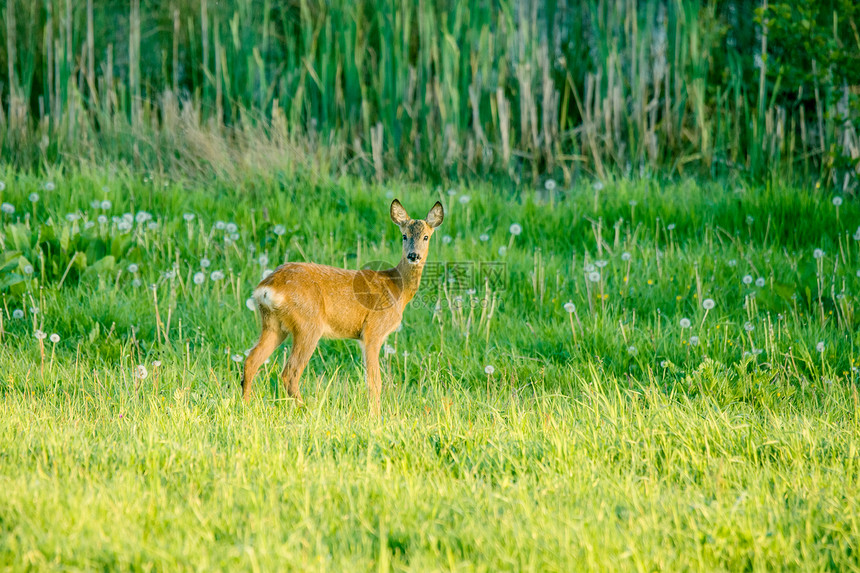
[372,375]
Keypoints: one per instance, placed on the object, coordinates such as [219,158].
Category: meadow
[618,374]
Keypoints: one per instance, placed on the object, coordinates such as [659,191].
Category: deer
[309,301]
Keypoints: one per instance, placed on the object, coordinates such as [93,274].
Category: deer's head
[416,232]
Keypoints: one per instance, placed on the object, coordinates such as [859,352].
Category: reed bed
[433,90]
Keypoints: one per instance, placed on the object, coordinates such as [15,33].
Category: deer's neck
[410,275]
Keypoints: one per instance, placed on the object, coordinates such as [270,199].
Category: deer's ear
[435,216]
[398,213]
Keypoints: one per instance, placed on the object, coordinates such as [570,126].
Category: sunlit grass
[665,378]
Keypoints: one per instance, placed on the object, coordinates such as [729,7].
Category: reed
[429,89]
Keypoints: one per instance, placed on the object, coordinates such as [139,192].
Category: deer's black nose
[413,257]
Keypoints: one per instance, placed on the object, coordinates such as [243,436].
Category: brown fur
[310,301]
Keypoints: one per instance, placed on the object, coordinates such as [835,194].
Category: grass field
[696,410]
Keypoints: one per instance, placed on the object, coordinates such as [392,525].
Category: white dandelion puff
[516,229]
[685,323]
[708,304]
[569,307]
[489,369]
[55,338]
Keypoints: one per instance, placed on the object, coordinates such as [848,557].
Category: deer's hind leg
[270,339]
[304,344]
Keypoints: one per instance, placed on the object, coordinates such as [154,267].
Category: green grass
[608,439]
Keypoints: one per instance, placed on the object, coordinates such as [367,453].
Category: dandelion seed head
[28,269]
[204,262]
[17,313]
[216,276]
[33,197]
[263,260]
[280,230]
[671,226]
[489,369]
[220,225]
[133,268]
[7,208]
[484,237]
[760,282]
[549,185]
[188,217]
[232,227]
[708,304]
[464,199]
[694,341]
[136,283]
[818,253]
[837,201]
[569,307]
[748,326]
[447,239]
[40,335]
[55,338]
[199,278]
[600,263]
[733,263]
[597,185]
[389,350]
[685,323]
[625,256]
[594,276]
[503,250]
[631,350]
[747,280]
[516,229]
[49,186]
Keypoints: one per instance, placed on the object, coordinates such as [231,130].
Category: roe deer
[313,301]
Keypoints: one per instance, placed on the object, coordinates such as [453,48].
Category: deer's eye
[426,237]
[404,237]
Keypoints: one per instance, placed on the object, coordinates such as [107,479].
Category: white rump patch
[268,297]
